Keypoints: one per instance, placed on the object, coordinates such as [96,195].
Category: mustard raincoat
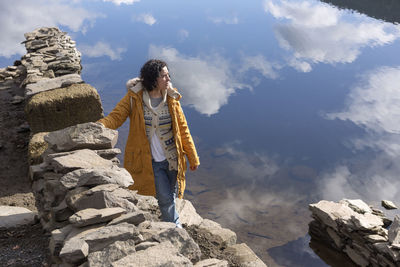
[137,158]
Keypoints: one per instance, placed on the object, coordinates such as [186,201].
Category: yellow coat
[137,158]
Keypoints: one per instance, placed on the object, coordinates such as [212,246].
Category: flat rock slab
[63,107]
[92,216]
[102,196]
[49,84]
[164,254]
[79,159]
[107,235]
[11,216]
[85,135]
[98,176]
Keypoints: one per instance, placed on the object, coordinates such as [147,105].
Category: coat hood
[135,85]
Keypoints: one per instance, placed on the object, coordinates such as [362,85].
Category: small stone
[389,205]
[23,128]
[17,100]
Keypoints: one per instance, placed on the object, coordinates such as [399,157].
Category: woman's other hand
[193,168]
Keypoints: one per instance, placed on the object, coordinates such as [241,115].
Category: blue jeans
[165,181]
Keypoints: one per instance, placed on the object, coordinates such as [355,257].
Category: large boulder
[63,107]
[85,135]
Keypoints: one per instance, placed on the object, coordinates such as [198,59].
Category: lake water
[289,102]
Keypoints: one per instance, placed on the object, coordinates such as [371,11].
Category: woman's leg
[165,182]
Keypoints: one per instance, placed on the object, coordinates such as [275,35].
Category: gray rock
[242,255]
[212,263]
[57,239]
[187,213]
[107,235]
[113,252]
[61,212]
[79,159]
[85,135]
[17,100]
[49,84]
[74,251]
[36,171]
[98,176]
[108,153]
[182,241]
[92,216]
[102,196]
[134,218]
[81,232]
[357,205]
[329,212]
[389,205]
[376,238]
[366,222]
[356,257]
[15,216]
[145,245]
[53,192]
[394,231]
[148,204]
[164,254]
[221,237]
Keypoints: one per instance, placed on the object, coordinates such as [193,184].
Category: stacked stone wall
[82,193]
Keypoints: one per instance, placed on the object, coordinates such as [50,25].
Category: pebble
[17,100]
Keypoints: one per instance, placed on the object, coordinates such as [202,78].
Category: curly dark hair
[150,72]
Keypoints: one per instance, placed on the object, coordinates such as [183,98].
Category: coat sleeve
[187,140]
[119,114]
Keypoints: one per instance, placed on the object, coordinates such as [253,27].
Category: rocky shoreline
[81,192]
[359,232]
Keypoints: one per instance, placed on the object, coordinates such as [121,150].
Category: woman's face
[163,79]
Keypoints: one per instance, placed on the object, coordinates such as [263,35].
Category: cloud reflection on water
[375,106]
[320,33]
[205,81]
[146,18]
[102,49]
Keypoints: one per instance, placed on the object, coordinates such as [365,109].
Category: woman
[158,139]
